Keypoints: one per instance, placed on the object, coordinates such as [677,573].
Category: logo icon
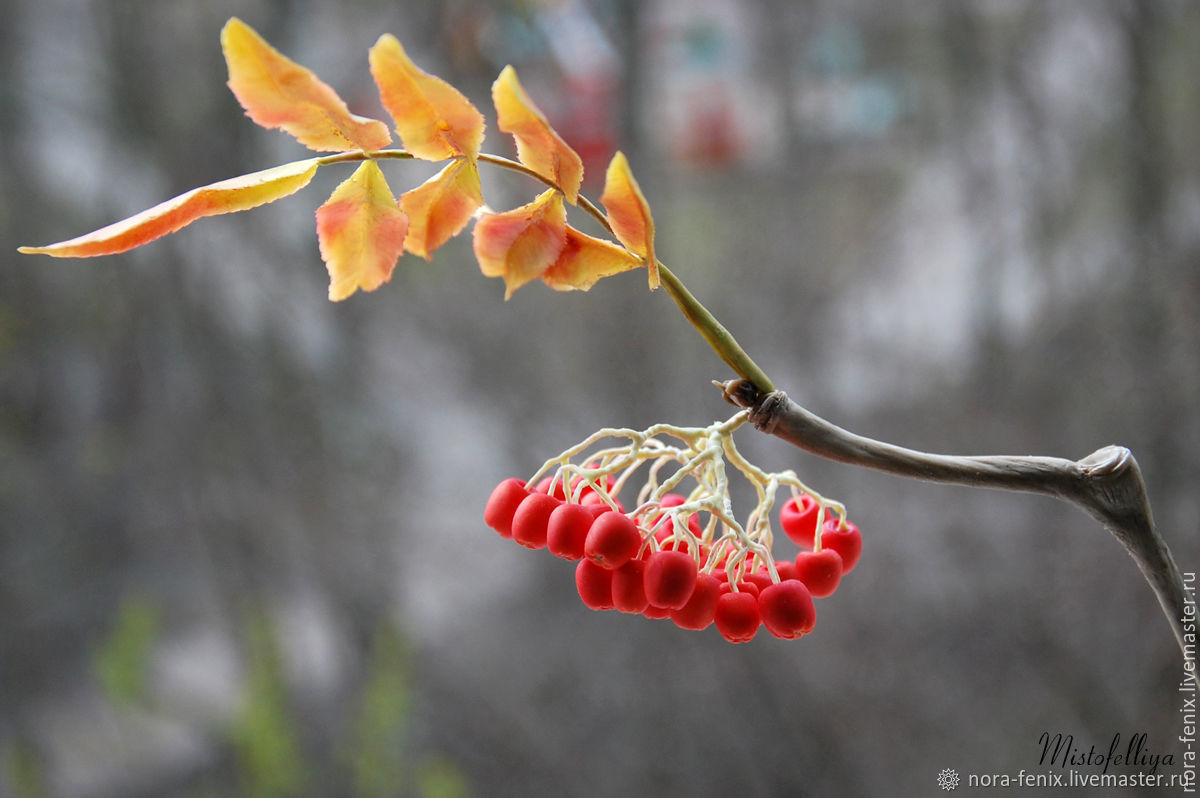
[948,779]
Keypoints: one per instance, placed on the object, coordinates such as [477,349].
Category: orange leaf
[227,196]
[585,260]
[434,120]
[279,93]
[519,245]
[440,208]
[629,213]
[361,232]
[538,146]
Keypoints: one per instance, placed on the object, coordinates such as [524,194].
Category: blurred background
[241,539]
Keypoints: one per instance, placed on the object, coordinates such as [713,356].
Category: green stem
[705,323]
[719,338]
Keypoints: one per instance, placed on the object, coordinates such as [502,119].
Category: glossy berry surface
[498,513]
[737,616]
[697,614]
[594,585]
[656,613]
[531,519]
[567,529]
[844,538]
[670,578]
[787,609]
[820,571]
[629,587]
[786,569]
[612,540]
[798,517]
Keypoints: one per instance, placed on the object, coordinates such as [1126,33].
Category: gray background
[241,545]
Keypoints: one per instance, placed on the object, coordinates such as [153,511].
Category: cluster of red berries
[644,567]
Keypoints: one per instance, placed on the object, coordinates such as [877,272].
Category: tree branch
[1107,484]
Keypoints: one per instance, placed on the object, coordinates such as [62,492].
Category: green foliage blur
[264,736]
[123,660]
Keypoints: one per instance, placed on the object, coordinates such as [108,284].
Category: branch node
[765,413]
[740,393]
[1107,461]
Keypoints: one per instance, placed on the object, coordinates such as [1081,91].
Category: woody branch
[1106,484]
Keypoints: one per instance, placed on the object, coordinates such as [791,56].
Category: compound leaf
[629,214]
[440,208]
[521,244]
[434,120]
[227,196]
[361,230]
[539,147]
[279,93]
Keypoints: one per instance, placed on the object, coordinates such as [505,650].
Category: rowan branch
[1107,484]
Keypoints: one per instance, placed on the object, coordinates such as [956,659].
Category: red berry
[672,500]
[498,514]
[594,585]
[786,570]
[656,612]
[750,587]
[531,518]
[670,578]
[761,578]
[588,490]
[820,571]
[844,538]
[700,608]
[566,530]
[799,521]
[787,609]
[683,545]
[543,486]
[743,586]
[737,616]
[597,510]
[612,541]
[594,499]
[667,528]
[629,587]
[667,501]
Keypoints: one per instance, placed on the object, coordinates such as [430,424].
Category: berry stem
[698,454]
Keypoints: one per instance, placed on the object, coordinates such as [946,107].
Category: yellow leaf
[584,260]
[227,196]
[434,120]
[538,146]
[519,245]
[629,213]
[440,208]
[279,93]
[361,230]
